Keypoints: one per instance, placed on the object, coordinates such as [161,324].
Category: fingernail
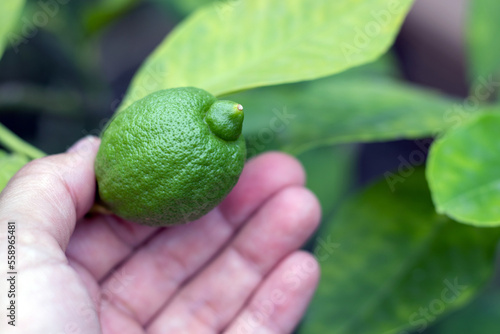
[82,145]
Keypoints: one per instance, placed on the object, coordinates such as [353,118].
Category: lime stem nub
[225,119]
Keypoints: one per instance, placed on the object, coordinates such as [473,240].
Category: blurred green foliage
[480,317]
[463,172]
[482,41]
[99,14]
[397,265]
[9,165]
[219,49]
[330,174]
[9,11]
[393,253]
[315,113]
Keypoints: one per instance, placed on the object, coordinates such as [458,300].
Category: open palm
[236,270]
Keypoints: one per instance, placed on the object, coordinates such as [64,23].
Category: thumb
[48,195]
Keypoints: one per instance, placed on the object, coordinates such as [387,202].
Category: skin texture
[235,270]
[161,163]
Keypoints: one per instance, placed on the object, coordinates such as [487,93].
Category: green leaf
[342,109]
[9,140]
[9,13]
[463,172]
[479,317]
[9,165]
[237,45]
[482,39]
[386,66]
[396,265]
[264,122]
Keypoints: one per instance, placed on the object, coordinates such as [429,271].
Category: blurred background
[68,73]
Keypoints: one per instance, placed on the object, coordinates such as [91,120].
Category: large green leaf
[252,43]
[484,43]
[479,317]
[463,172]
[9,165]
[397,265]
[9,13]
[342,109]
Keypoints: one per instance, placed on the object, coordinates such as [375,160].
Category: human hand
[236,270]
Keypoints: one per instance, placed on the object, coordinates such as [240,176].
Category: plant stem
[16,144]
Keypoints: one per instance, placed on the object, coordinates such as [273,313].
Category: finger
[47,195]
[214,296]
[113,239]
[280,302]
[99,243]
[115,322]
[44,199]
[264,176]
[159,268]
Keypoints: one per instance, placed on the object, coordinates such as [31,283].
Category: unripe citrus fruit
[170,157]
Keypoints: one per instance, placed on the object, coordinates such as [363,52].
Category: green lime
[170,157]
